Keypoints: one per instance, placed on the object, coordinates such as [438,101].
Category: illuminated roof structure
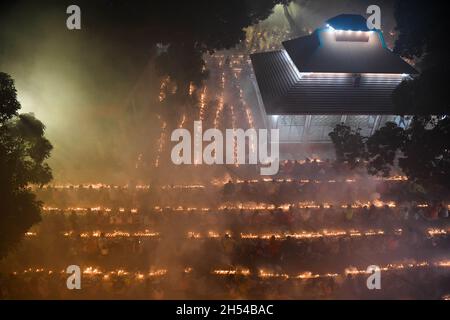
[342,68]
[354,22]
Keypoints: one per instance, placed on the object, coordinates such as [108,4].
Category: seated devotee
[348,213]
[443,211]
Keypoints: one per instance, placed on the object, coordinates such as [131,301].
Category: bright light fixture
[350,31]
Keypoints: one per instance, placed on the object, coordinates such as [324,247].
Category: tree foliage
[382,148]
[23,152]
[422,28]
[421,151]
[426,152]
[348,144]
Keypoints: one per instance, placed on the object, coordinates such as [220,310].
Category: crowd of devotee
[312,231]
[293,236]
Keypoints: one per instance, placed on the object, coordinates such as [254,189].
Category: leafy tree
[23,152]
[8,99]
[136,28]
[348,144]
[426,153]
[382,148]
[422,28]
[422,152]
[186,58]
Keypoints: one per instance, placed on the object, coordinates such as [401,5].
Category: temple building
[340,73]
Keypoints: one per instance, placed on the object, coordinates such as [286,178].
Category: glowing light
[157,273]
[91,271]
[161,141]
[263,274]
[202,104]
[242,272]
[163,87]
[268,274]
[182,122]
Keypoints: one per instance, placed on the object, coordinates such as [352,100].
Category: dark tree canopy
[382,148]
[426,152]
[135,28]
[8,98]
[422,151]
[23,152]
[422,28]
[348,144]
[122,42]
[205,24]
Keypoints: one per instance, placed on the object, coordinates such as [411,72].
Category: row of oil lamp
[215,182]
[235,206]
[325,233]
[245,272]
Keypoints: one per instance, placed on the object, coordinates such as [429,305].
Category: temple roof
[317,74]
[285,91]
[321,52]
[353,22]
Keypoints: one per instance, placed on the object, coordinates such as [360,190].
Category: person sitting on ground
[365,213]
[418,213]
[228,245]
[305,215]
[433,213]
[443,211]
[405,213]
[274,248]
[348,213]
[320,215]
[373,214]
[387,213]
